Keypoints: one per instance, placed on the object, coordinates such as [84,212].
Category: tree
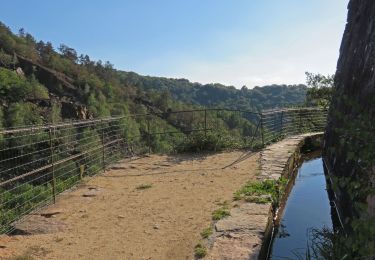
[84,60]
[45,50]
[5,59]
[68,52]
[21,114]
[320,88]
[21,32]
[162,101]
[30,39]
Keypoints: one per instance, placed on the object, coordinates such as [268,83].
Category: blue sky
[241,42]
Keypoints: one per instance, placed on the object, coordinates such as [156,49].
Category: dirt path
[117,220]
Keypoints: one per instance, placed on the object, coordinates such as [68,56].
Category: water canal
[307,208]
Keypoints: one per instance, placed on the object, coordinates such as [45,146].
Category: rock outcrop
[61,89]
[350,135]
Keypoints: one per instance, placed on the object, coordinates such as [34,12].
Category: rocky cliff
[60,87]
[350,135]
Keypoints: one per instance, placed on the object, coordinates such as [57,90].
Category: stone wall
[349,149]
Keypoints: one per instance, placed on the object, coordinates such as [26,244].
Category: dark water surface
[307,207]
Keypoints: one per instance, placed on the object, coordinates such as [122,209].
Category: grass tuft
[259,200]
[21,257]
[206,232]
[144,186]
[220,214]
[200,251]
[262,191]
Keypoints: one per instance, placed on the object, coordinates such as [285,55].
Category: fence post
[53,180]
[192,122]
[148,135]
[81,171]
[281,123]
[205,122]
[103,152]
[217,119]
[262,127]
[300,121]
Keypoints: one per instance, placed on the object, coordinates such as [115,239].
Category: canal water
[307,207]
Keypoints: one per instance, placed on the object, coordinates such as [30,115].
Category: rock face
[350,135]
[61,89]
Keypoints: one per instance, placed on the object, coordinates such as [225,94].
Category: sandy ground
[108,217]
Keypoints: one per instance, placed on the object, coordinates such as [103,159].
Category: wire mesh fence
[277,124]
[39,162]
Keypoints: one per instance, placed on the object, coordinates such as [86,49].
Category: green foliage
[352,146]
[21,114]
[200,251]
[327,244]
[14,88]
[89,142]
[20,200]
[1,120]
[206,232]
[258,199]
[144,186]
[67,181]
[218,95]
[129,128]
[55,115]
[100,87]
[200,141]
[22,257]
[320,89]
[36,90]
[97,104]
[6,60]
[262,191]
[220,213]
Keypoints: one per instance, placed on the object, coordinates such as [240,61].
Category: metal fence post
[217,119]
[262,127]
[205,122]
[300,121]
[81,171]
[103,152]
[281,123]
[192,121]
[148,135]
[53,178]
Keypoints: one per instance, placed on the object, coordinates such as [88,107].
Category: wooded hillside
[40,84]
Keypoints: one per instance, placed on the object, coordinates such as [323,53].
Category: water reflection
[307,208]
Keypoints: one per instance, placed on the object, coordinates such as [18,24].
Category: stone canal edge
[246,233]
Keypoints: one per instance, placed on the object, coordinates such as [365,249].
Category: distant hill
[41,84]
[218,95]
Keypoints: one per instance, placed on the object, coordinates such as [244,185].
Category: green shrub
[262,191]
[200,251]
[200,141]
[220,214]
[21,200]
[144,186]
[206,232]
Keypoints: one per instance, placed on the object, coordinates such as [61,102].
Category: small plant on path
[144,186]
[220,214]
[200,251]
[206,232]
[262,191]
